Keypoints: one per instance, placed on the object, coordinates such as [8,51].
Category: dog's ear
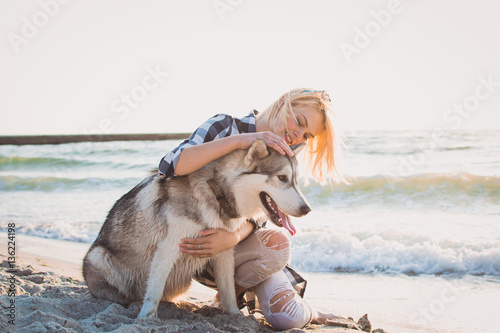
[298,148]
[258,150]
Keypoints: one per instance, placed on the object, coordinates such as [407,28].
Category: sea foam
[393,253]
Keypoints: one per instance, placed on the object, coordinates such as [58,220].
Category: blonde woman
[261,255]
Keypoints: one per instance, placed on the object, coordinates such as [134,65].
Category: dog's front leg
[223,265]
[161,265]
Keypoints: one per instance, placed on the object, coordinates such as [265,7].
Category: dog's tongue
[287,224]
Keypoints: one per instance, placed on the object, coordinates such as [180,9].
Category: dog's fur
[136,255]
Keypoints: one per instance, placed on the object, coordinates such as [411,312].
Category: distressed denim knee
[281,305]
[287,310]
[266,252]
[276,249]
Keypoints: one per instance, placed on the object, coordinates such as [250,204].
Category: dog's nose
[305,209]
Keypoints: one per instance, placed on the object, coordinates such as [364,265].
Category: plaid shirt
[217,127]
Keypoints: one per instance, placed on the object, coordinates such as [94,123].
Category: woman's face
[309,123]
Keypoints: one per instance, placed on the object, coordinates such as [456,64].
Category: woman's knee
[280,303]
[273,239]
[287,310]
[261,255]
[276,246]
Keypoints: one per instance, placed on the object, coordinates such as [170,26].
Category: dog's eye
[283,178]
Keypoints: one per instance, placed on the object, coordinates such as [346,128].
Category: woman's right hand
[271,139]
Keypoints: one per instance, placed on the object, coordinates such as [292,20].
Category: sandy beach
[50,295]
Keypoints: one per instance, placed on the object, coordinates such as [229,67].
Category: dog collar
[221,197]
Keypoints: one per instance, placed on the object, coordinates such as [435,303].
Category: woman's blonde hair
[322,152]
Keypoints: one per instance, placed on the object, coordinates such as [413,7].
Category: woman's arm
[193,158]
[196,157]
[215,241]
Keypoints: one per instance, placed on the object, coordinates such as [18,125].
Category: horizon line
[41,139]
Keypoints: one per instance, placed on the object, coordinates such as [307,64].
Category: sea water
[413,239]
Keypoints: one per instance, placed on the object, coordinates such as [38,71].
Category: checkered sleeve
[219,126]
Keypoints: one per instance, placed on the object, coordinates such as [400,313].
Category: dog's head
[269,181]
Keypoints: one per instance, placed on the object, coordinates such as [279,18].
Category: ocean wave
[49,165]
[395,151]
[445,190]
[327,252]
[73,232]
[47,184]
[16,162]
[423,187]
[456,148]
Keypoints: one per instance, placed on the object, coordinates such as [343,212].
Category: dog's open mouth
[276,214]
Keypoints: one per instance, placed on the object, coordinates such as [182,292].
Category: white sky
[69,72]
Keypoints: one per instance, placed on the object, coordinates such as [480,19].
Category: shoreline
[19,140]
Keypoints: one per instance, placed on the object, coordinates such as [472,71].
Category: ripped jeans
[259,263]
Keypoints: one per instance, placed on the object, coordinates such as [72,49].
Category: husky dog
[136,255]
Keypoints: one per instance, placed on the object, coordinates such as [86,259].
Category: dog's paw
[233,312]
[148,311]
[135,307]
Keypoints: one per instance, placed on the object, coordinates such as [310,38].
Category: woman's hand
[211,243]
[214,241]
[193,158]
[272,140]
